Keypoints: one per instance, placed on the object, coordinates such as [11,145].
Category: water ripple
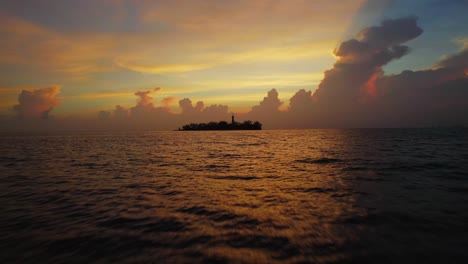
[305,196]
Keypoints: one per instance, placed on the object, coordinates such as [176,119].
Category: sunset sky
[97,53]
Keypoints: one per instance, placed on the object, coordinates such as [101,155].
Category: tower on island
[223,125]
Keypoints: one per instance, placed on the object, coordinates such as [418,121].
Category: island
[223,125]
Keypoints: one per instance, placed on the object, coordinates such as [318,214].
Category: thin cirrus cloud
[32,45]
[101,95]
[210,59]
[85,53]
[159,69]
[246,16]
[291,79]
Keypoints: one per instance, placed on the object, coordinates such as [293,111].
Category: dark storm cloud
[362,58]
[357,93]
[428,97]
[391,33]
[458,61]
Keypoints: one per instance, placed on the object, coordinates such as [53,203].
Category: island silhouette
[223,125]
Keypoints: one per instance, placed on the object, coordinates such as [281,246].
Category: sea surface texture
[298,196]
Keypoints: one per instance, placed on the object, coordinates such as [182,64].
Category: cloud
[74,55]
[270,104]
[391,33]
[207,60]
[120,112]
[268,111]
[146,115]
[104,115]
[168,101]
[145,100]
[103,95]
[161,69]
[37,102]
[245,16]
[355,92]
[216,112]
[301,102]
[360,60]
[199,112]
[184,36]
[457,61]
[145,104]
[423,98]
[187,107]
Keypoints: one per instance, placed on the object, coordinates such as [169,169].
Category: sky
[120,64]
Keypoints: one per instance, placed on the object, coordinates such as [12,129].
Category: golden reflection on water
[320,196]
[263,188]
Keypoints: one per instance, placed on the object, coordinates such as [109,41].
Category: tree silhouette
[223,125]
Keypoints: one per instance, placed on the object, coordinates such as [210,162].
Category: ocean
[271,196]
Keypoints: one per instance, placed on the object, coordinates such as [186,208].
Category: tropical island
[223,125]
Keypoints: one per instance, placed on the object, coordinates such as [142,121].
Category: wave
[318,161]
[234,178]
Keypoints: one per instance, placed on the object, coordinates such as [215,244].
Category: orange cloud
[199,35]
[246,15]
[159,69]
[201,61]
[37,102]
[74,54]
[100,95]
[371,88]
[168,101]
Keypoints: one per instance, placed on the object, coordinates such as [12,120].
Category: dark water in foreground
[319,196]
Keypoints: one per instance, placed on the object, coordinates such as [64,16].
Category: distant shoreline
[221,126]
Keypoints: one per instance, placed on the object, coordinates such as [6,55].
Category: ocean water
[291,196]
